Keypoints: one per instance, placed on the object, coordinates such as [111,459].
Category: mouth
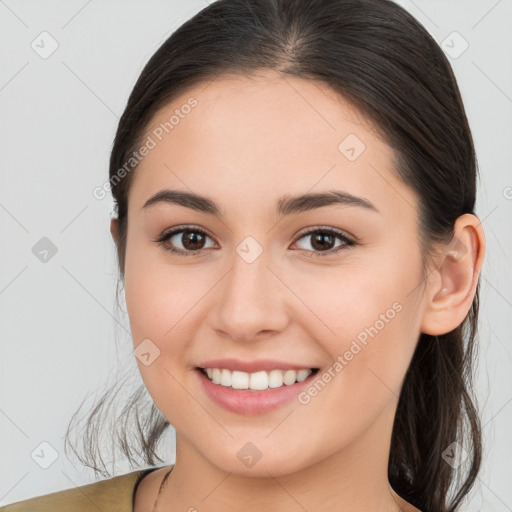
[256,381]
[253,387]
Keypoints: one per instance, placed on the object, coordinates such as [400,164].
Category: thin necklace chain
[161,488]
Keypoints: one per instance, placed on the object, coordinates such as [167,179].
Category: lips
[233,395]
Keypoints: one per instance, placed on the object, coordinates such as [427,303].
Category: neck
[353,479]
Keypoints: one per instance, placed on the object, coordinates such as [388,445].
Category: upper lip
[252,366]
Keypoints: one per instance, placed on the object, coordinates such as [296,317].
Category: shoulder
[113,494]
[146,492]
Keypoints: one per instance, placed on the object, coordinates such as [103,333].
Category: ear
[452,285]
[114,229]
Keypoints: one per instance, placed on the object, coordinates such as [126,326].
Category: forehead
[264,134]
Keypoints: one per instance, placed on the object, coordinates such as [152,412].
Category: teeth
[237,380]
[289,377]
[275,379]
[256,381]
[225,378]
[303,375]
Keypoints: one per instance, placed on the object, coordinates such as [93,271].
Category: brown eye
[192,240]
[184,242]
[323,242]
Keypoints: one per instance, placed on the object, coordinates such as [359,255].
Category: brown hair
[378,57]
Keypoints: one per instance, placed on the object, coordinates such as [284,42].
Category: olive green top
[111,495]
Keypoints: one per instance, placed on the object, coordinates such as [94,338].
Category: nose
[251,301]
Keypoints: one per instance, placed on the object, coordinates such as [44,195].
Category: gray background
[60,339]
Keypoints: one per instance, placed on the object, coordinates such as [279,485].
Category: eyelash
[347,242]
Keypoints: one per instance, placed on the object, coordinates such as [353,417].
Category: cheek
[157,295]
[160,312]
[154,305]
[369,356]
[359,299]
[157,307]
[366,319]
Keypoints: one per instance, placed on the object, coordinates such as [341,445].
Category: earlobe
[114,229]
[451,291]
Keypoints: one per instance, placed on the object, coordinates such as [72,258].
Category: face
[261,281]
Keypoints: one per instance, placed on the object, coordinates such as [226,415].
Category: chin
[250,461]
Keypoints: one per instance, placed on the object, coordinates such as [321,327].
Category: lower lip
[250,403]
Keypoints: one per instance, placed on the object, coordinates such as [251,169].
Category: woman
[295,185]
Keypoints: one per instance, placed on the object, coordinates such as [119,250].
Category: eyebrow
[286,205]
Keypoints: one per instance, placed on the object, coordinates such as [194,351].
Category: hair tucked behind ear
[377,56]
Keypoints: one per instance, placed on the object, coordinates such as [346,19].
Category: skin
[249,142]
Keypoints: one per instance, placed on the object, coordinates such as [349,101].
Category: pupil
[194,239]
[320,241]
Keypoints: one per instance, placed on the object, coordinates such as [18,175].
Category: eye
[322,240]
[192,241]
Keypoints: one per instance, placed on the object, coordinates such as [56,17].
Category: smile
[256,381]
[253,393]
